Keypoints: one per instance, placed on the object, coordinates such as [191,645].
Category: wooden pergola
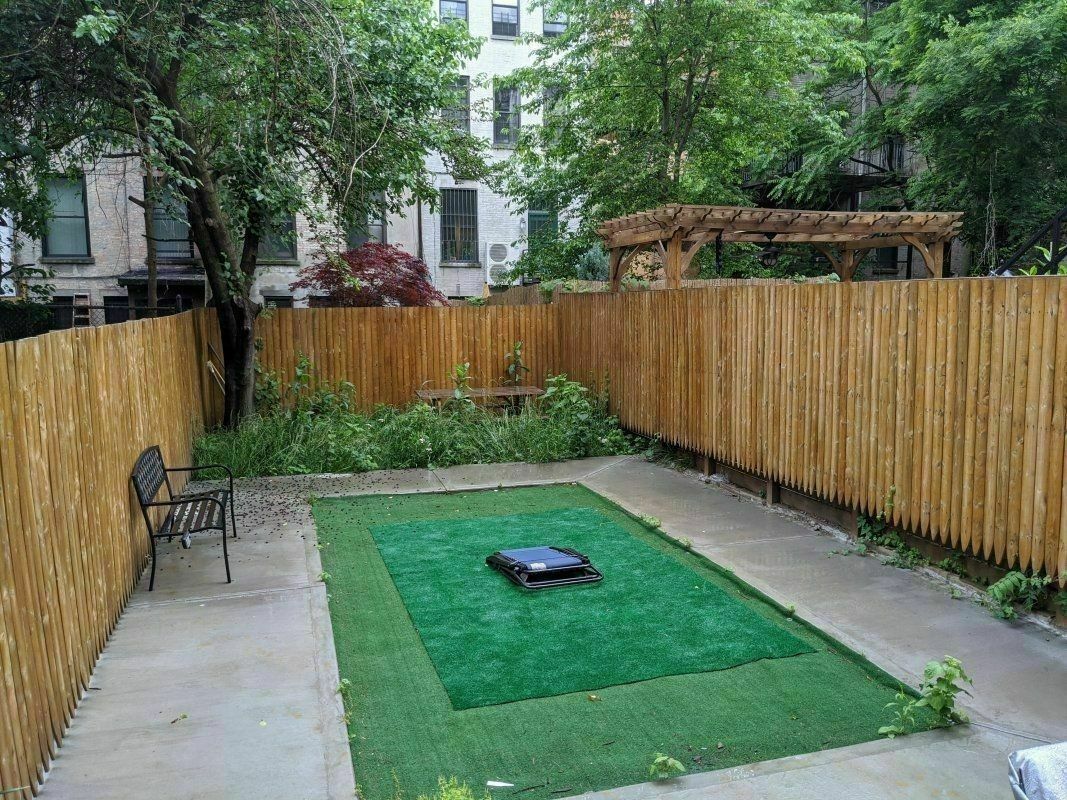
[678,232]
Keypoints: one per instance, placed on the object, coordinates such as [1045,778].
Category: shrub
[372,275]
[20,319]
[1016,588]
[319,430]
[593,264]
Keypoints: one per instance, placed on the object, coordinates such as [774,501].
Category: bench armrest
[202,466]
[227,470]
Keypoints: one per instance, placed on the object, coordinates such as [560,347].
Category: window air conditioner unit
[499,261]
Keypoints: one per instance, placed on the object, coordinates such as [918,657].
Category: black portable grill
[544,567]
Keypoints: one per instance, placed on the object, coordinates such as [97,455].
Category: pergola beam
[678,232]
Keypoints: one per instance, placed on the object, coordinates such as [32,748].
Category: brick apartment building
[96,246]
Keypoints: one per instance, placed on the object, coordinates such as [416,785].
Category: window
[550,99]
[366,230]
[371,227]
[453,9]
[278,242]
[459,225]
[506,117]
[459,113]
[71,311]
[68,229]
[116,309]
[505,19]
[893,154]
[554,24]
[887,261]
[542,228]
[277,301]
[170,226]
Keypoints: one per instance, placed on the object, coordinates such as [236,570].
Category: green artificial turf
[406,733]
[494,642]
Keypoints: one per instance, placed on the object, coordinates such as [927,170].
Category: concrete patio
[208,690]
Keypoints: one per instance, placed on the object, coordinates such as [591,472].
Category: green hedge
[21,318]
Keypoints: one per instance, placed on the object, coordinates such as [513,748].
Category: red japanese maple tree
[371,275]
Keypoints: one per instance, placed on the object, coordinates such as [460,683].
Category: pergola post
[933,254]
[673,265]
[615,268]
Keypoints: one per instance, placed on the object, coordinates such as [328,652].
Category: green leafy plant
[664,767]
[942,682]
[650,521]
[1059,600]
[907,557]
[515,365]
[1016,589]
[903,707]
[877,529]
[1042,263]
[953,564]
[461,386]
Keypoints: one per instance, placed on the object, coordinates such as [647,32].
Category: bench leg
[152,580]
[233,522]
[225,555]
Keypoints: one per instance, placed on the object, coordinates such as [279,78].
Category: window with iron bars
[459,226]
[506,116]
[459,113]
[505,20]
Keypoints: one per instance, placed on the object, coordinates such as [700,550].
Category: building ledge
[174,277]
[72,260]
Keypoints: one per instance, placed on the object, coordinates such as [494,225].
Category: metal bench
[188,513]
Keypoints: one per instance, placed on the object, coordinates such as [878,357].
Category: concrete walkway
[209,690]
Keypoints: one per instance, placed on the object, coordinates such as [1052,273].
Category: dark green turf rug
[493,642]
[406,734]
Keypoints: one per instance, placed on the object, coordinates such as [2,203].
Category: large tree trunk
[230,278]
[237,324]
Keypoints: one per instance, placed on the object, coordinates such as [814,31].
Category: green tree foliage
[647,102]
[979,89]
[252,111]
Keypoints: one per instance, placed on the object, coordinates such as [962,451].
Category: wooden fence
[76,407]
[388,353]
[944,399]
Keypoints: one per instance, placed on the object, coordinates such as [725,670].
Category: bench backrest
[149,475]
